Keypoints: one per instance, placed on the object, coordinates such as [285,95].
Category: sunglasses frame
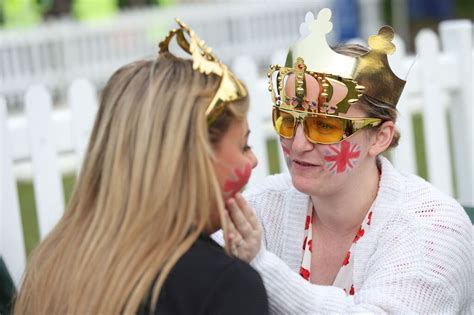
[356,124]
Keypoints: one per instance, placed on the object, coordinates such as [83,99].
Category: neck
[342,213]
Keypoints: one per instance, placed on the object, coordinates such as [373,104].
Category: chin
[306,185]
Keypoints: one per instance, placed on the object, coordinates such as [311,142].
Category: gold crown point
[313,56]
[230,88]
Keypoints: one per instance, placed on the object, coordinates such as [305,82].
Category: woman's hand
[245,232]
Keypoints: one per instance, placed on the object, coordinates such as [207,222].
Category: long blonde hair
[144,194]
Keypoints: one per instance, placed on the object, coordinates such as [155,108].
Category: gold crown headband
[230,88]
[311,57]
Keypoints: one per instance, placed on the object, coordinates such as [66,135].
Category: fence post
[46,175]
[434,112]
[12,245]
[456,38]
[82,101]
[403,156]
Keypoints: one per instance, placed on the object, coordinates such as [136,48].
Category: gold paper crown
[311,56]
[230,88]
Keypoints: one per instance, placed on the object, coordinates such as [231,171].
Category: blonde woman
[168,148]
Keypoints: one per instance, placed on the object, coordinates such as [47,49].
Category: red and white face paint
[341,157]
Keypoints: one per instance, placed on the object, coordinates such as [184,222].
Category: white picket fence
[55,53]
[45,142]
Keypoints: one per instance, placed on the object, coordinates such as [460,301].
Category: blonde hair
[371,106]
[144,194]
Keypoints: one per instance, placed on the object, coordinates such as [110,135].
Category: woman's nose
[253,159]
[300,142]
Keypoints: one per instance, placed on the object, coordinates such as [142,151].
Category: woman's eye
[246,148]
[325,126]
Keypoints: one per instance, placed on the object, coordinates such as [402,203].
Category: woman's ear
[382,138]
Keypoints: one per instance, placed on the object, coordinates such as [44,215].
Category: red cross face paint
[237,180]
[234,159]
[341,157]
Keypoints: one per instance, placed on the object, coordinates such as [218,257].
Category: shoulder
[204,274]
[238,290]
[206,257]
[274,192]
[235,287]
[429,221]
[421,234]
[428,205]
[408,195]
[275,197]
[240,275]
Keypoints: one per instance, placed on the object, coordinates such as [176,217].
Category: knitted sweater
[416,258]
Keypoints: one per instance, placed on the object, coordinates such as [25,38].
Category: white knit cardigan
[416,258]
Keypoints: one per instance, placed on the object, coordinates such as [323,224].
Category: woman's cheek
[238,178]
[341,157]
[285,150]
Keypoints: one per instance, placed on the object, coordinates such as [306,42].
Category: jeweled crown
[312,57]
[230,88]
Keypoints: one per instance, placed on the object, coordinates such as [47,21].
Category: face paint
[237,181]
[341,156]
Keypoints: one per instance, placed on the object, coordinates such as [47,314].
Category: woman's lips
[304,164]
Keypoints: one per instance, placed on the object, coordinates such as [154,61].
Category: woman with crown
[345,232]
[168,149]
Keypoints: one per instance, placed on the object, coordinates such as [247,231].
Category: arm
[288,292]
[405,266]
[399,279]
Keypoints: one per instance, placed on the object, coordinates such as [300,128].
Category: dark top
[7,289]
[205,280]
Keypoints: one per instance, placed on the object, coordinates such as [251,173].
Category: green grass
[28,209]
[420,152]
[419,142]
[273,162]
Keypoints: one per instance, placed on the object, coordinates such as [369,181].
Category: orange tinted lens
[324,129]
[284,123]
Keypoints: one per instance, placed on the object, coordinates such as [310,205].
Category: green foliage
[20,13]
[94,9]
[464,9]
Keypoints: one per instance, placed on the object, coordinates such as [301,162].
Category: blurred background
[56,55]
[54,41]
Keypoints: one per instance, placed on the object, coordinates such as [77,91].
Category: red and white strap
[344,278]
